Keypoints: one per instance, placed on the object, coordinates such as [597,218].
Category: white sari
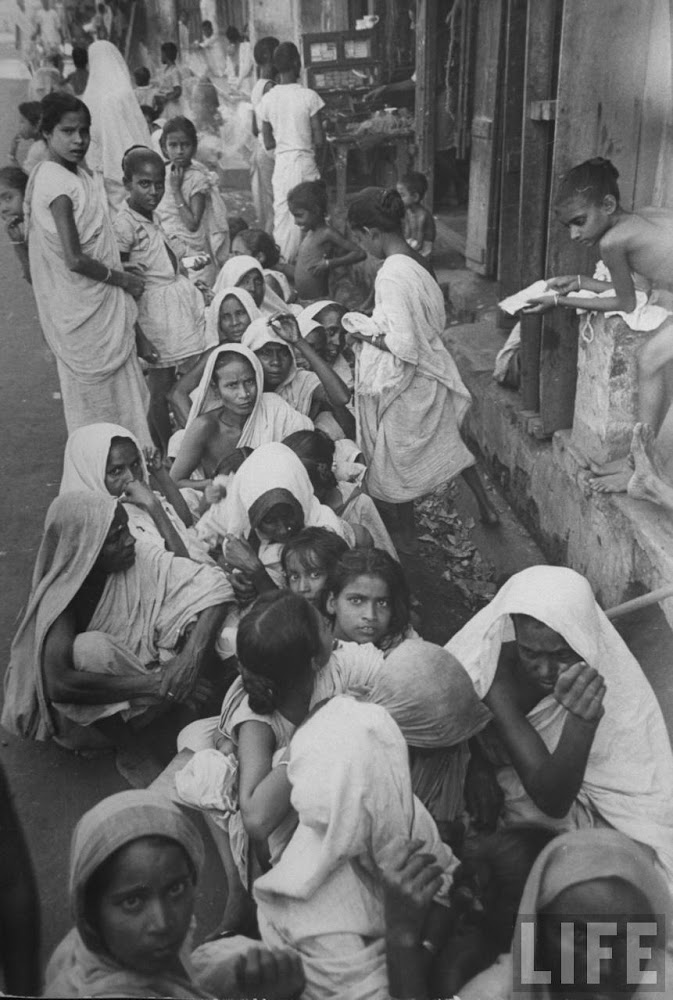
[116,119]
[628,781]
[409,403]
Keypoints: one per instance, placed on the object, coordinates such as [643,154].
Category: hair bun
[392,204]
[604,164]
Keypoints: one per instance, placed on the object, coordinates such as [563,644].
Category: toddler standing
[419,225]
[291,125]
[170,310]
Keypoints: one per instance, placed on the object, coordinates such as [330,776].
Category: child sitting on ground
[192,207]
[419,225]
[13,183]
[258,244]
[308,560]
[631,244]
[322,248]
[170,310]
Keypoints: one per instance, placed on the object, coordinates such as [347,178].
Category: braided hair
[377,208]
[277,641]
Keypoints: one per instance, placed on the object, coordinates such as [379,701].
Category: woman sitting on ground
[309,392]
[106,458]
[115,629]
[579,737]
[134,865]
[246,272]
[589,876]
[315,449]
[227,318]
[216,440]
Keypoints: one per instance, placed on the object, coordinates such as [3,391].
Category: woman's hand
[178,680]
[274,975]
[141,495]
[581,690]
[238,554]
[208,294]
[285,325]
[214,492]
[411,878]
[145,349]
[155,461]
[131,283]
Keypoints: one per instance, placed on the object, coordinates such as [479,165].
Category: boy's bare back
[313,249]
[645,237]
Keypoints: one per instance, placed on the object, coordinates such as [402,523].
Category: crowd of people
[224,564]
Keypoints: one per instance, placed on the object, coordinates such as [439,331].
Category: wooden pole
[426,90]
[645,601]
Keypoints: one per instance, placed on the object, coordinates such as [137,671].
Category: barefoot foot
[611,468]
[646,479]
[615,483]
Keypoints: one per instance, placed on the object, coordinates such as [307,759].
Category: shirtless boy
[632,245]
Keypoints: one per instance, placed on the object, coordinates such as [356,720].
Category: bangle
[17,243]
[181,204]
[108,276]
[556,298]
[430,947]
[579,282]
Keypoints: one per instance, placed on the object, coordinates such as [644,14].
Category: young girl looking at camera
[170,310]
[84,298]
[192,206]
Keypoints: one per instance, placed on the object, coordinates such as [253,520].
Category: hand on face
[581,690]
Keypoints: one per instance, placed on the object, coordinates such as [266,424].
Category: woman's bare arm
[76,260]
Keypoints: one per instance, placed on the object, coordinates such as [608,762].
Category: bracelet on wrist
[579,282]
[108,277]
[430,947]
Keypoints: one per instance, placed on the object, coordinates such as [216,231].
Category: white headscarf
[628,779]
[274,466]
[235,269]
[116,119]
[86,455]
[313,311]
[298,387]
[584,855]
[213,311]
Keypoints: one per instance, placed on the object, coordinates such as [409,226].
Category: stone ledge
[623,546]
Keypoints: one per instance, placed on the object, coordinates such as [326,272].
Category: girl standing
[192,207]
[84,298]
[170,310]
[410,399]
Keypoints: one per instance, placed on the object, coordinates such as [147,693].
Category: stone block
[606,402]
